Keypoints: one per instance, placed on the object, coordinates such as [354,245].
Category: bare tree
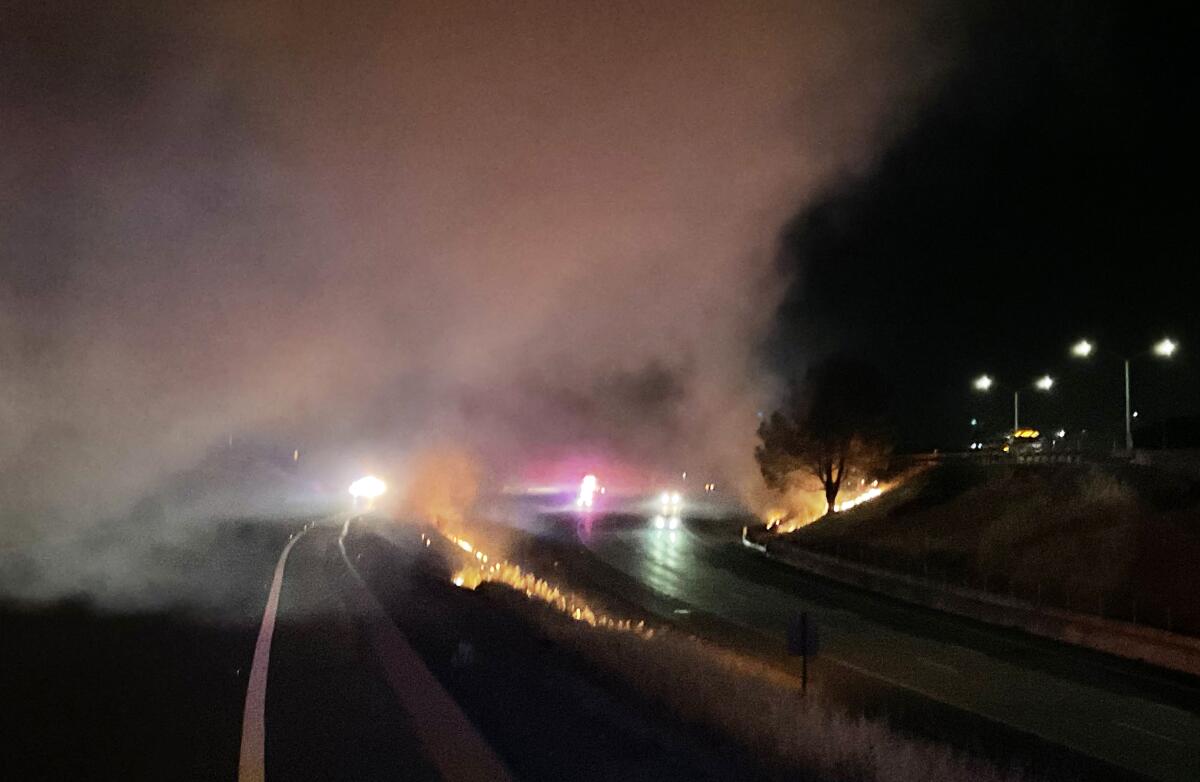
[830,427]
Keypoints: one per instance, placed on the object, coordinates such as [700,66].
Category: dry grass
[760,708]
[1038,532]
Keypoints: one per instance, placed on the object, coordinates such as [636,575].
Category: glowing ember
[866,496]
[783,521]
[478,571]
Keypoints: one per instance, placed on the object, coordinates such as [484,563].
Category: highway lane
[330,712]
[547,714]
[160,692]
[155,681]
[1099,707]
[267,658]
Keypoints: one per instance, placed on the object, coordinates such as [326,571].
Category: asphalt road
[1130,717]
[317,651]
[153,684]
[363,642]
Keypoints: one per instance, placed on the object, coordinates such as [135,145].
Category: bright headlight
[368,487]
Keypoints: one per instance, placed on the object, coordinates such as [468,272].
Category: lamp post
[984,383]
[1164,348]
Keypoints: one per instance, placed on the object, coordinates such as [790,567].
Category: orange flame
[480,569]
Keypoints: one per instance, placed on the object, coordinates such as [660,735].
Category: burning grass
[479,568]
[805,504]
[732,695]
[1036,532]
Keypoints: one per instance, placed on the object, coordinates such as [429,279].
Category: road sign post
[803,642]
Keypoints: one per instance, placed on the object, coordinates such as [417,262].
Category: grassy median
[753,705]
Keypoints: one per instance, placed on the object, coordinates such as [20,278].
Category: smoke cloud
[517,227]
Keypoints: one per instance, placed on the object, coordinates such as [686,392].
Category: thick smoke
[515,227]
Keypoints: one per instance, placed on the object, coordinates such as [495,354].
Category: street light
[1164,348]
[984,384]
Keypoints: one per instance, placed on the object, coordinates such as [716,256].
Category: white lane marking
[886,679]
[836,660]
[936,664]
[252,758]
[450,740]
[1023,725]
[1148,732]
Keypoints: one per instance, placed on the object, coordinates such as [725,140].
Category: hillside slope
[1115,539]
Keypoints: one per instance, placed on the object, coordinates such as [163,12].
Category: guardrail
[993,457]
[1124,639]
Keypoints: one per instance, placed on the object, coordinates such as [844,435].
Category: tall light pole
[1164,348]
[1128,418]
[984,383]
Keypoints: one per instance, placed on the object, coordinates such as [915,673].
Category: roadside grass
[1082,537]
[755,706]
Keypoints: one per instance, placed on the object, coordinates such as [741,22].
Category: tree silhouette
[831,426]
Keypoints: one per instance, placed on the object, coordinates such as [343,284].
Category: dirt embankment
[1116,540]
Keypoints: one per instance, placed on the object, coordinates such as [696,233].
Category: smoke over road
[513,226]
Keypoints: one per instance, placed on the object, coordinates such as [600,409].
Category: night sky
[1046,192]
